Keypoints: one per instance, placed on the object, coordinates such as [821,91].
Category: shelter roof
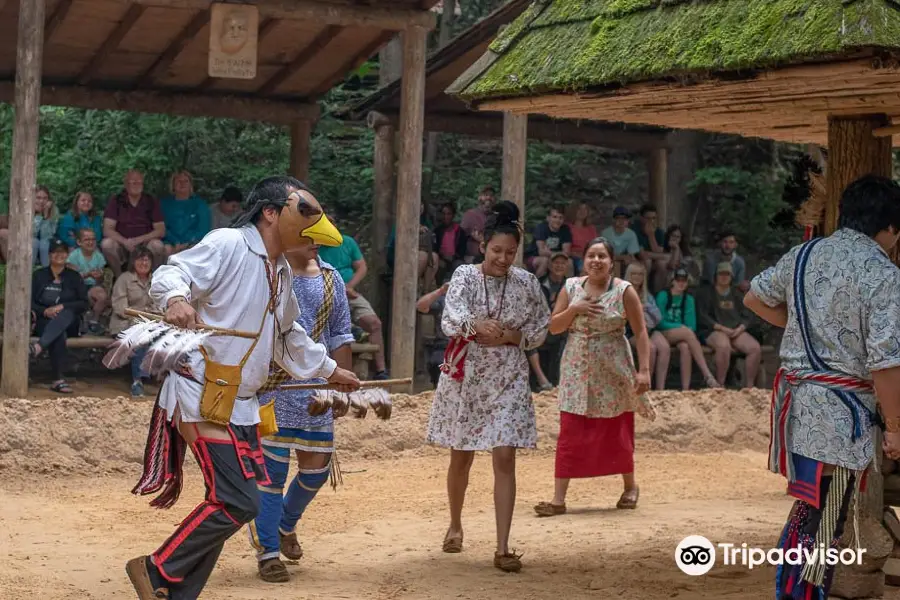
[724,65]
[152,55]
[451,114]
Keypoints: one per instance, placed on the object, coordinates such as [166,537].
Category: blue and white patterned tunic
[853,305]
[291,406]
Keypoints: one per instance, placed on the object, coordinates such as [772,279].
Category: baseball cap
[724,267]
[557,254]
[680,274]
[621,211]
[57,244]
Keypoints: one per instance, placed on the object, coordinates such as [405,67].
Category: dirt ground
[68,526]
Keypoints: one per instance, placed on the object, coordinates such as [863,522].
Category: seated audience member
[186,215]
[583,231]
[228,207]
[660,350]
[432,303]
[132,218]
[623,239]
[550,237]
[46,222]
[652,241]
[679,326]
[473,221]
[348,260]
[723,322]
[89,263]
[680,257]
[545,360]
[58,299]
[132,290]
[450,241]
[428,258]
[82,215]
[726,253]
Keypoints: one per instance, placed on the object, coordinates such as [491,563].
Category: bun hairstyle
[503,220]
[606,244]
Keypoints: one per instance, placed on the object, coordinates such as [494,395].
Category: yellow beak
[323,233]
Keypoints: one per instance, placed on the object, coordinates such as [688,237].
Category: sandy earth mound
[94,435]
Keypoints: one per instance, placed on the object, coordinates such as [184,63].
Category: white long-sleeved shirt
[224,277]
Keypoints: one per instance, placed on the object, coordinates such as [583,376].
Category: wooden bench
[739,365]
[363,354]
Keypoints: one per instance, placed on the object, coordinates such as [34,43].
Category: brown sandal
[509,562]
[140,579]
[629,499]
[290,546]
[548,509]
[273,570]
[452,545]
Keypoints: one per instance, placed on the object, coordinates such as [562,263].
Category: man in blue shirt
[349,262]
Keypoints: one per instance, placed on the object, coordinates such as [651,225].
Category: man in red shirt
[132,218]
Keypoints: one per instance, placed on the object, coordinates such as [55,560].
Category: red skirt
[594,447]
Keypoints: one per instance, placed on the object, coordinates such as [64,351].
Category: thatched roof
[613,47]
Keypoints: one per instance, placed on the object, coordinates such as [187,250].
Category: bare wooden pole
[17,303]
[300,137]
[515,154]
[658,173]
[409,195]
[382,206]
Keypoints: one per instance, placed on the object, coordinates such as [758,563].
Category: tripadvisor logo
[696,555]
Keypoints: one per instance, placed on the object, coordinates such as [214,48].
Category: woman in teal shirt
[187,216]
[81,216]
[679,326]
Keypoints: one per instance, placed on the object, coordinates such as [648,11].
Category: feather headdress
[166,345]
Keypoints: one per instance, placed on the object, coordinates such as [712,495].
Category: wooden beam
[265,28]
[515,156]
[558,132]
[351,65]
[23,176]
[658,175]
[167,58]
[326,13]
[55,20]
[305,55]
[111,43]
[300,134]
[245,108]
[409,196]
[888,131]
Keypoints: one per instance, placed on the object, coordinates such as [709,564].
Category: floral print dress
[598,375]
[492,406]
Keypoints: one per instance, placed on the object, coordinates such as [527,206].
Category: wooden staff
[362,384]
[215,330]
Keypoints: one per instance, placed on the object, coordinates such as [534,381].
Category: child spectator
[227,209]
[81,216]
[89,263]
[186,215]
[550,237]
[46,221]
[132,217]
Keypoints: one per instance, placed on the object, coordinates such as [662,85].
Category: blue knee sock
[264,529]
[300,493]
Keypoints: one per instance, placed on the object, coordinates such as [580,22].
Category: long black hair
[606,244]
[271,191]
[504,219]
[870,204]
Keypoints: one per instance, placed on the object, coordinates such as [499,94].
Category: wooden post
[300,134]
[853,152]
[382,210]
[515,155]
[658,174]
[17,316]
[409,196]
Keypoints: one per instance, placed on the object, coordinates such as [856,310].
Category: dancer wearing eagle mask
[235,278]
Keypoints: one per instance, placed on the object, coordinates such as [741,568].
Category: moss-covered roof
[575,45]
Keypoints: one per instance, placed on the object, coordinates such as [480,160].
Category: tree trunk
[684,157]
[515,156]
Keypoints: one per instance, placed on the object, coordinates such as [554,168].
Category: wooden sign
[233,30]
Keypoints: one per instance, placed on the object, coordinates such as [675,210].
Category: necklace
[487,301]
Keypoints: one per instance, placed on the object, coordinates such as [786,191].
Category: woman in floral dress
[493,312]
[599,391]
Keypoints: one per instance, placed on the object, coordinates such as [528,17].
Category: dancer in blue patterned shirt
[838,299]
[325,314]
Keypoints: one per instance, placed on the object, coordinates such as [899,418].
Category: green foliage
[576,44]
